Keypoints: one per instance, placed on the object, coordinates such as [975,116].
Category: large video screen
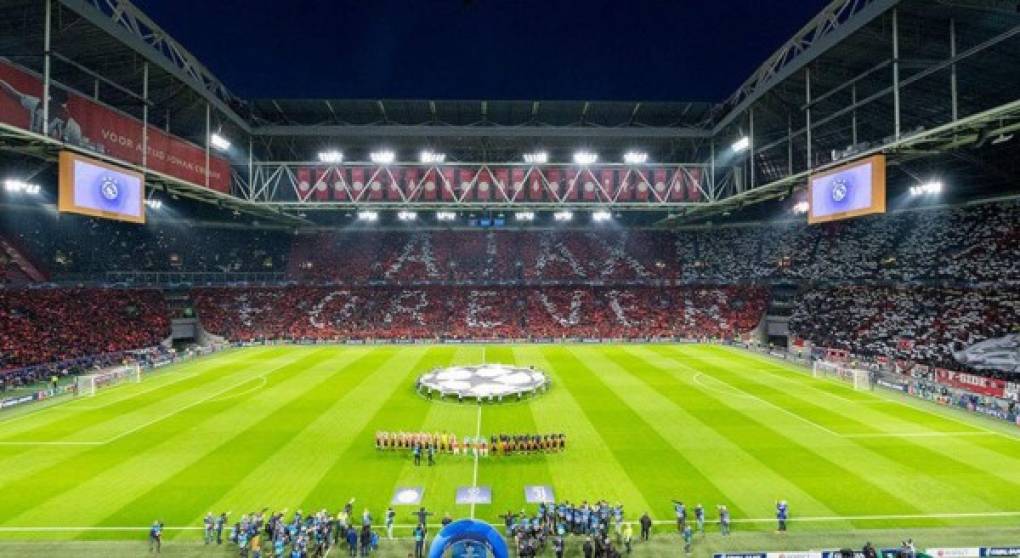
[852,190]
[92,187]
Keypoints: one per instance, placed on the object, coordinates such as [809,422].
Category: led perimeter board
[92,187]
[851,190]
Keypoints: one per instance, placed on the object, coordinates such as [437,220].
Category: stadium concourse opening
[574,313]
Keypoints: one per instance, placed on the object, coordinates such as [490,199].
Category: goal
[861,379]
[88,384]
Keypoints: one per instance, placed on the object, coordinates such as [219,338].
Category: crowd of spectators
[919,324]
[78,246]
[977,245]
[322,313]
[914,284]
[51,325]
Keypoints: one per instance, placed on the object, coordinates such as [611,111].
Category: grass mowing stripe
[180,497]
[747,481]
[96,498]
[641,451]
[805,466]
[33,458]
[403,410]
[787,373]
[587,469]
[77,423]
[1005,444]
[287,477]
[39,486]
[450,472]
[508,475]
[923,453]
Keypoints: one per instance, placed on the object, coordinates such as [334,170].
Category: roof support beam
[821,34]
[188,70]
[395,131]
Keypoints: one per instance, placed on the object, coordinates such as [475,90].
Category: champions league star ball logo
[109,189]
[840,188]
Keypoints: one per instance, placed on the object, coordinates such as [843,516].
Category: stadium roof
[843,59]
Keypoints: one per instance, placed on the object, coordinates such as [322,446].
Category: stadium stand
[885,286]
[965,246]
[320,313]
[920,324]
[49,325]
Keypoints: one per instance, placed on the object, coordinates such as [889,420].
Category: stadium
[781,323]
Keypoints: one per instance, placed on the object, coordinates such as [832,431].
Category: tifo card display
[92,187]
[851,190]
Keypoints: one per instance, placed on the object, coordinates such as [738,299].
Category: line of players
[446,442]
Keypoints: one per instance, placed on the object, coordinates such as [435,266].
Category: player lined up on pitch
[446,442]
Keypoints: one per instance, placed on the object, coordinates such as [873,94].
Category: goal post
[860,379]
[88,384]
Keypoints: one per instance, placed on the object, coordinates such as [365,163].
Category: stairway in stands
[777,316]
[15,267]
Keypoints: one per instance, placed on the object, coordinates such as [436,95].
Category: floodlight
[741,144]
[801,207]
[382,157]
[332,156]
[446,216]
[219,142]
[536,157]
[431,157]
[153,203]
[524,216]
[407,215]
[635,157]
[368,216]
[930,187]
[15,185]
[601,216]
[563,216]
[585,157]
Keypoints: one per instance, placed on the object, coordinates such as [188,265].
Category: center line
[474,474]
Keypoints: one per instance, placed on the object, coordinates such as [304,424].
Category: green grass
[293,426]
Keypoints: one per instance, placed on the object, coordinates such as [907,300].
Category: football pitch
[294,426]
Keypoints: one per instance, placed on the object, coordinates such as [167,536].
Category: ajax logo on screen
[840,188]
[109,189]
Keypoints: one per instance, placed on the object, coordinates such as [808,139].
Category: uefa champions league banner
[80,121]
[999,353]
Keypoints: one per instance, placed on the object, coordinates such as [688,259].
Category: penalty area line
[917,434]
[135,428]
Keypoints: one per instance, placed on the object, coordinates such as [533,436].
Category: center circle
[483,381]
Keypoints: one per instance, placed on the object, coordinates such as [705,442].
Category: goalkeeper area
[293,427]
[87,384]
[858,378]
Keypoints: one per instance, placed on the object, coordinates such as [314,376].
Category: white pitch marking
[697,379]
[474,473]
[132,430]
[777,407]
[916,434]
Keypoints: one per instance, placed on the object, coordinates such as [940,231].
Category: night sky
[689,50]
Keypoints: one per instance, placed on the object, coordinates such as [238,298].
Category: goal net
[860,379]
[89,384]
